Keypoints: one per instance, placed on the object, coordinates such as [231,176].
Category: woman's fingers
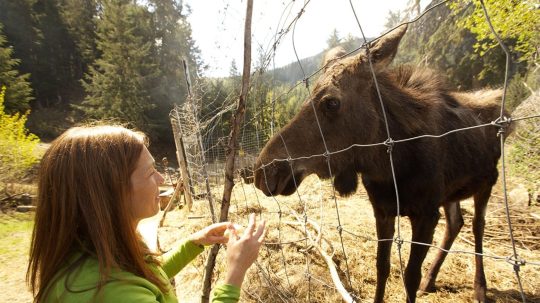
[228,233]
[219,227]
[219,239]
[251,226]
[233,235]
[261,231]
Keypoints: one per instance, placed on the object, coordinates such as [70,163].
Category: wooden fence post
[182,162]
[232,150]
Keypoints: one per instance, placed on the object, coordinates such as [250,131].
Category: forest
[66,62]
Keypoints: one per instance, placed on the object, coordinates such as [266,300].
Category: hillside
[292,72]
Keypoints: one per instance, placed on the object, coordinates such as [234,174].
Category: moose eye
[331,104]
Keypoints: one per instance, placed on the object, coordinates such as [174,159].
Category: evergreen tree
[333,40]
[18,91]
[56,81]
[166,17]
[120,82]
[233,70]
[439,42]
[42,42]
[80,19]
[173,45]
[393,19]
[258,107]
[20,30]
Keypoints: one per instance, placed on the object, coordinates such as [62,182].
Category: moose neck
[405,94]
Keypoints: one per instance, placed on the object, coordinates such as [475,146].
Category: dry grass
[15,234]
[281,274]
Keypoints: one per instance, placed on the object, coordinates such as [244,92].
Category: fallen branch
[316,242]
[10,197]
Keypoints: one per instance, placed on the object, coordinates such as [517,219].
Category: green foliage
[17,146]
[19,92]
[22,33]
[79,19]
[133,54]
[517,22]
[174,44]
[442,44]
[49,122]
[289,103]
[217,95]
[524,156]
[120,82]
[42,41]
[517,92]
[269,102]
[15,234]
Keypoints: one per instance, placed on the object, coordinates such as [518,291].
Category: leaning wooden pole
[232,150]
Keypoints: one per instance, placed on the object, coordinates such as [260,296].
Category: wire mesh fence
[208,152]
[316,228]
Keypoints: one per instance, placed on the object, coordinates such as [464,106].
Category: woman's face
[145,181]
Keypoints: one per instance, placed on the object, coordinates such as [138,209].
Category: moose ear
[384,50]
[332,56]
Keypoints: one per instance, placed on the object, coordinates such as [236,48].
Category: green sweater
[126,287]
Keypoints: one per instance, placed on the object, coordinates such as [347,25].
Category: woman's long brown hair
[83,205]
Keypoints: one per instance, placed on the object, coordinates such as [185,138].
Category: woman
[95,185]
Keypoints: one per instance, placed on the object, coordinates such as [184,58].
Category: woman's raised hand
[243,250]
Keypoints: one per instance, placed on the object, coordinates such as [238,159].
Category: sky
[218,27]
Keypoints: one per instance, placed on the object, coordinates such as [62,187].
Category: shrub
[524,158]
[17,145]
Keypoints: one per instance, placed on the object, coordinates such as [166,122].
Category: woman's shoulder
[79,284]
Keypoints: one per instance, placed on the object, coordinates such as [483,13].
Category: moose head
[343,109]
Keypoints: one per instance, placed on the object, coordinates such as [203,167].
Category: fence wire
[278,281]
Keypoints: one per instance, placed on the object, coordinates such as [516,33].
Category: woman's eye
[332,104]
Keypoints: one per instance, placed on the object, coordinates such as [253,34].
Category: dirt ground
[290,269]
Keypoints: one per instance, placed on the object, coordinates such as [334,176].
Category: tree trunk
[232,150]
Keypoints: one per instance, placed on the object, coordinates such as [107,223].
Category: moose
[343,114]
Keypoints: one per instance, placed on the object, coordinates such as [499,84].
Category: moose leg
[385,232]
[422,232]
[454,223]
[480,203]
